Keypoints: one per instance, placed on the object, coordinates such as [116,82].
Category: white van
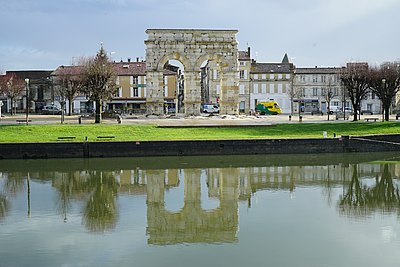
[209,108]
[334,109]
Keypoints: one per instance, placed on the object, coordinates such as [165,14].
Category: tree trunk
[12,106]
[97,118]
[70,99]
[387,108]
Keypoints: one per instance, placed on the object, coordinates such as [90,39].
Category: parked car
[348,110]
[51,109]
[341,115]
[209,108]
[333,109]
[366,111]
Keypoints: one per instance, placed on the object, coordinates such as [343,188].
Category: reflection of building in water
[226,185]
[192,224]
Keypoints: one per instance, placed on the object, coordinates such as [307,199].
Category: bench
[371,119]
[106,137]
[60,138]
[22,121]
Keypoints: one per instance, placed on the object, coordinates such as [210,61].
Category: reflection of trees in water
[101,211]
[99,189]
[15,183]
[69,186]
[362,200]
[4,206]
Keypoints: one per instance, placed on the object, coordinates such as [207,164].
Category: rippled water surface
[294,210]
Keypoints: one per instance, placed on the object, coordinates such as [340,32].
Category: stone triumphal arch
[192,48]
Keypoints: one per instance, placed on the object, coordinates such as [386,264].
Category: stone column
[192,93]
[155,96]
[229,102]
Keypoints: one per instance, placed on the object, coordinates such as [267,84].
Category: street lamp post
[384,90]
[27,100]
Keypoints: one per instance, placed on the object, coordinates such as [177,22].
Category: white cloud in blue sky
[44,34]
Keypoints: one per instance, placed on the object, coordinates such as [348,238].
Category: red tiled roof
[244,55]
[67,70]
[121,69]
[130,68]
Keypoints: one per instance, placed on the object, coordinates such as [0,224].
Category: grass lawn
[50,133]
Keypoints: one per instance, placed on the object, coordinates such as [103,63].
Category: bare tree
[355,78]
[329,92]
[12,87]
[69,84]
[291,92]
[385,83]
[294,92]
[98,80]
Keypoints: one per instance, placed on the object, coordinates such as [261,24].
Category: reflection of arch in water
[209,197]
[174,194]
[192,224]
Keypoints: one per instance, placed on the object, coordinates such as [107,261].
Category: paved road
[204,120]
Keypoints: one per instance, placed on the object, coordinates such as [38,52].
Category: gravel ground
[171,120]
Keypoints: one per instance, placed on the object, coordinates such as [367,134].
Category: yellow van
[268,107]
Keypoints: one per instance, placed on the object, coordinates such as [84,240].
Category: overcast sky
[44,34]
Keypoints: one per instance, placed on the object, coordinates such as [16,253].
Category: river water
[265,210]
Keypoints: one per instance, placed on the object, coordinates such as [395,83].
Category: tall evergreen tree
[99,80]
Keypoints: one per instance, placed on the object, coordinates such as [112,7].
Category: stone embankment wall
[379,143]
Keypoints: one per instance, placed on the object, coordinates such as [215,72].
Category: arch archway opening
[210,72]
[174,84]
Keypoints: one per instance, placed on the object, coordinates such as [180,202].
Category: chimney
[137,59]
[248,51]
[129,59]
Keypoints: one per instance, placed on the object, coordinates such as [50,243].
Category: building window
[315,91]
[315,78]
[218,89]
[335,91]
[120,92]
[271,88]
[263,88]
[279,88]
[288,76]
[242,106]
[255,88]
[215,74]
[272,76]
[255,76]
[241,74]
[280,76]
[241,89]
[264,76]
[242,63]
